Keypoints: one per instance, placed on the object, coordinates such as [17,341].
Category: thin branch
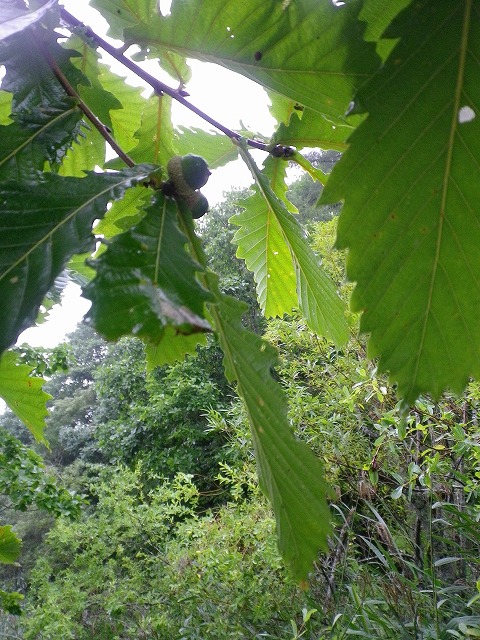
[160,87]
[101,128]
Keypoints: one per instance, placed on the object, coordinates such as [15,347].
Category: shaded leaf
[25,148]
[41,229]
[45,120]
[24,394]
[146,280]
[14,19]
[411,184]
[290,474]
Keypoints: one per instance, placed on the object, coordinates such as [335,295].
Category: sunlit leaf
[216,149]
[173,348]
[10,545]
[318,299]
[301,49]
[24,394]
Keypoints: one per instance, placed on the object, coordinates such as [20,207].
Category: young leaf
[262,245]
[41,229]
[411,184]
[24,394]
[301,49]
[146,280]
[317,297]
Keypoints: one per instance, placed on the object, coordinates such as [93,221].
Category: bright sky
[230,98]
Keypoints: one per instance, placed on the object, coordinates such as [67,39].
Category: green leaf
[125,120]
[289,473]
[173,348]
[396,493]
[25,148]
[216,149]
[300,49]
[5,107]
[41,229]
[93,94]
[411,184]
[282,108]
[262,245]
[124,213]
[146,280]
[309,129]
[10,602]
[125,13]
[45,119]
[10,545]
[24,394]
[14,19]
[29,77]
[78,270]
[379,14]
[317,297]
[155,139]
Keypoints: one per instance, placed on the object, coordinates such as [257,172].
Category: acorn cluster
[187,174]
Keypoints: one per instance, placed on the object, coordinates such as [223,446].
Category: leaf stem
[101,128]
[160,87]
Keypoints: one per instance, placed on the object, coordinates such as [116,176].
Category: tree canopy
[393,87]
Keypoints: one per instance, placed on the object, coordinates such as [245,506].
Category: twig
[101,128]
[160,88]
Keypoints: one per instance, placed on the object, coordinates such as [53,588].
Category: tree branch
[101,128]
[160,87]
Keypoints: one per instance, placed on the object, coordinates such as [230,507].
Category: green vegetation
[212,455]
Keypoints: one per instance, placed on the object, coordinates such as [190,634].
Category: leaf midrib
[446,179]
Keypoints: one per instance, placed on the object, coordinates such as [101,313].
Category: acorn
[188,172]
[197,203]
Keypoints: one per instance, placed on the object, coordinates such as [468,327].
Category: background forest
[145,519]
